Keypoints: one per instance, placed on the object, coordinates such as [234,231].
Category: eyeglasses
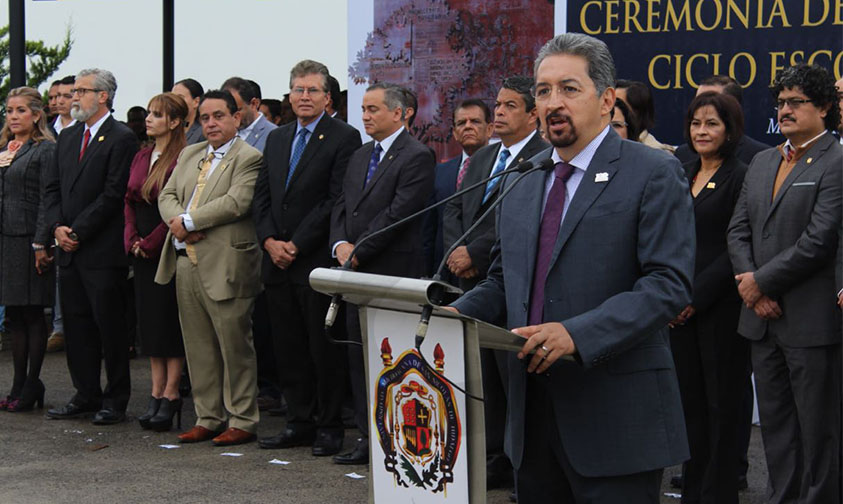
[543,92]
[793,103]
[81,91]
[618,124]
[312,91]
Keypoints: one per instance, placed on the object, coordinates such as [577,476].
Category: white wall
[214,39]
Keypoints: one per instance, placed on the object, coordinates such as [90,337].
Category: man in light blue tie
[515,124]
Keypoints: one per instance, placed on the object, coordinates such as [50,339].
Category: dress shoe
[32,394]
[4,403]
[289,438]
[70,410]
[163,419]
[109,416]
[234,436]
[359,455]
[327,443]
[197,434]
[55,343]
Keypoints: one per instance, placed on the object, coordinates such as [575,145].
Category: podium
[426,438]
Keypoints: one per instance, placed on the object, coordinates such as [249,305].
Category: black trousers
[711,362]
[357,371]
[493,365]
[546,474]
[311,370]
[264,349]
[94,311]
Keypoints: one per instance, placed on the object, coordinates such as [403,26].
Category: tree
[42,60]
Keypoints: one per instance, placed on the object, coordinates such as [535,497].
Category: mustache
[790,117]
[557,115]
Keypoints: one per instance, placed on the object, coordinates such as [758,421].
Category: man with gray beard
[84,201]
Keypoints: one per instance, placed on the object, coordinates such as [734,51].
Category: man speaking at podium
[592,260]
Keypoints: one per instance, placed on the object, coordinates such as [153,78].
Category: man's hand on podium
[550,340]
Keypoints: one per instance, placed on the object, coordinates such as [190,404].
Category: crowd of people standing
[669,273]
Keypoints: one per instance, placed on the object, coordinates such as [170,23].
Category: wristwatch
[36,247]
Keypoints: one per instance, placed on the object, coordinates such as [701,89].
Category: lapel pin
[710,185]
[809,160]
[601,177]
[390,156]
[520,160]
[321,137]
[100,139]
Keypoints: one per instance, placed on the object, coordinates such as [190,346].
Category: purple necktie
[548,232]
[373,162]
[461,174]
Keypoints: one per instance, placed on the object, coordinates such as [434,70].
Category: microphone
[530,167]
[525,167]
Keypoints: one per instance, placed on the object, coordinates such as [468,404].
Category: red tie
[461,174]
[85,143]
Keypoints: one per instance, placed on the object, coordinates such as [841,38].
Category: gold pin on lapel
[100,139]
[321,137]
[710,185]
[520,160]
[809,160]
[390,156]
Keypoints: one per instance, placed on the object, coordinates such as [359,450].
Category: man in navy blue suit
[472,129]
[591,261]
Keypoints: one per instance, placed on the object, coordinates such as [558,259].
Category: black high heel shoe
[32,394]
[163,420]
[151,410]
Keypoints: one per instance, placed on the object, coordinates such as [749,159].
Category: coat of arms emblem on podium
[417,420]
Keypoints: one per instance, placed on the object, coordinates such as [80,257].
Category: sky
[214,39]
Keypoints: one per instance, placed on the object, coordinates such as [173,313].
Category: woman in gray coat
[27,282]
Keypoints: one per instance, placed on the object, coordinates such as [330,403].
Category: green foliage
[42,60]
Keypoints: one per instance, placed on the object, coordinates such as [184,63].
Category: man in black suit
[387,179]
[472,130]
[84,203]
[515,124]
[305,163]
[747,147]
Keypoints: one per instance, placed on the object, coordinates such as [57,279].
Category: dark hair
[474,102]
[220,94]
[730,113]
[817,84]
[55,83]
[730,86]
[243,87]
[274,107]
[67,80]
[334,90]
[409,101]
[257,88]
[633,129]
[522,85]
[638,97]
[192,86]
[136,110]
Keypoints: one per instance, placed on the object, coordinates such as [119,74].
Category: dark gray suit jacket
[790,243]
[257,137]
[622,268]
[461,213]
[22,211]
[400,187]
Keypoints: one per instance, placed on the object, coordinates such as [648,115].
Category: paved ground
[73,461]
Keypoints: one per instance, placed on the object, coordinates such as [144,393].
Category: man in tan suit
[212,249]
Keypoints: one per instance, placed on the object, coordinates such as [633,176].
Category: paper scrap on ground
[673,495]
[278,462]
[169,446]
[354,475]
[231,454]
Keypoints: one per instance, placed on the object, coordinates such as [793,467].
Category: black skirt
[157,309]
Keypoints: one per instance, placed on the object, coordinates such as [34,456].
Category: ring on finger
[546,352]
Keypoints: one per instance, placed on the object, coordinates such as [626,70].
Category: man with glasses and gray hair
[782,239]
[84,201]
[301,178]
[591,262]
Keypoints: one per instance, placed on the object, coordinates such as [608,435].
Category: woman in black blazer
[710,356]
[27,282]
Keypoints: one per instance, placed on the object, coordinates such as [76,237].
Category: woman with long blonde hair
[27,282]
[158,318]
